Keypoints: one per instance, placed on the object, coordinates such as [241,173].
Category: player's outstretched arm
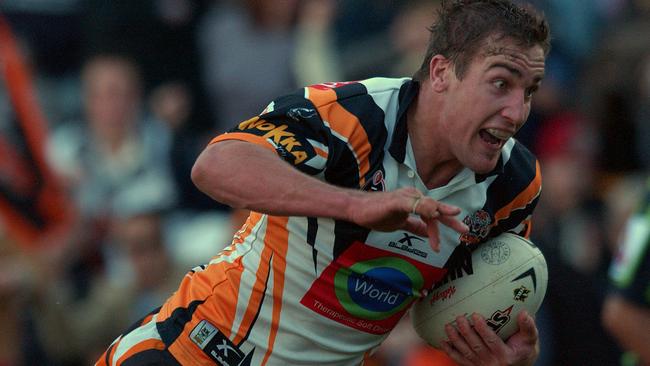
[245,175]
[629,323]
[479,345]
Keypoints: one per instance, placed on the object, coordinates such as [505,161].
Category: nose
[516,108]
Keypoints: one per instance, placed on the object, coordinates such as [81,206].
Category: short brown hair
[462,27]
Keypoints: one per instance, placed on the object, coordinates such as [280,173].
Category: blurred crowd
[129,92]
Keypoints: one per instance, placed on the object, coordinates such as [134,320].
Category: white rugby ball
[500,278]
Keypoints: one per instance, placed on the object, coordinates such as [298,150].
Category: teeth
[501,135]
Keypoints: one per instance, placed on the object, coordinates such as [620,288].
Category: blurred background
[105,104]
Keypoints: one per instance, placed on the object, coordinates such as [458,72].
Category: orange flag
[33,205]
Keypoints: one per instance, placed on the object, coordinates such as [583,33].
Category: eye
[500,84]
[530,91]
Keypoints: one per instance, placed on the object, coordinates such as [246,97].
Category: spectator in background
[408,41]
[571,231]
[116,158]
[18,344]
[246,51]
[111,305]
[626,313]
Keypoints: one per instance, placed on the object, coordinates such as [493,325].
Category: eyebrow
[514,71]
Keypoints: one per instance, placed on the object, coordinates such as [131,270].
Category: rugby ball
[498,279]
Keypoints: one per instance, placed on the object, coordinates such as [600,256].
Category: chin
[483,166]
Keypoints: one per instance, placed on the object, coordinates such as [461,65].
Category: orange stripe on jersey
[320,97]
[279,240]
[320,152]
[258,292]
[228,303]
[522,199]
[345,124]
[241,136]
[142,346]
[107,356]
[244,232]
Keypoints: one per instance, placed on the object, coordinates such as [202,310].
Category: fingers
[467,345]
[431,211]
[416,226]
[457,347]
[434,234]
[527,326]
[490,338]
[454,223]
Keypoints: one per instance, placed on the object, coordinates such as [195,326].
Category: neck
[436,163]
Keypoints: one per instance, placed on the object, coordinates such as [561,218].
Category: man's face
[491,102]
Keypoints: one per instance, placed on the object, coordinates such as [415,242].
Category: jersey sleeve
[290,126]
[630,270]
[515,193]
[335,132]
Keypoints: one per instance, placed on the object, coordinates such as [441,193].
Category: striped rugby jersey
[299,290]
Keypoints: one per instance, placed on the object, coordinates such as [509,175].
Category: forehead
[522,60]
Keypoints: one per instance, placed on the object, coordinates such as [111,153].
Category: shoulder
[326,93]
[519,162]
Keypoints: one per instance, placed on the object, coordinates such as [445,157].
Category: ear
[440,72]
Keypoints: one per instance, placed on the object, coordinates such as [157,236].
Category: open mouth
[494,137]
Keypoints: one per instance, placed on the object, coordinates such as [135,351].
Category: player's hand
[407,209]
[480,345]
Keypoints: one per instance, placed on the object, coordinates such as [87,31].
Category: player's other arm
[246,175]
[629,324]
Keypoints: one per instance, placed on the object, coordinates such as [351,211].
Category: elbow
[199,174]
[204,175]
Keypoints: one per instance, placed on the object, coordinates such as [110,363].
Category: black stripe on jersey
[407,94]
[515,219]
[312,229]
[259,309]
[350,90]
[171,328]
[371,117]
[107,354]
[498,169]
[151,357]
[346,233]
[518,173]
[342,167]
[141,322]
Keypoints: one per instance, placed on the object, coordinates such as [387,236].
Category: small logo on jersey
[479,226]
[495,252]
[499,319]
[284,141]
[406,244]
[376,183]
[521,293]
[298,114]
[203,333]
[218,347]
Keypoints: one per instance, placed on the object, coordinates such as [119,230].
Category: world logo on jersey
[369,289]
